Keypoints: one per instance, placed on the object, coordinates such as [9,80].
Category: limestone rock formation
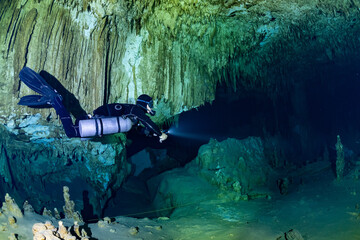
[10,214]
[10,207]
[44,165]
[177,51]
[76,41]
[234,165]
[27,207]
[48,231]
[231,170]
[69,208]
[340,159]
[292,234]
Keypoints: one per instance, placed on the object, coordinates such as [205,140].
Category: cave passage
[231,115]
[304,122]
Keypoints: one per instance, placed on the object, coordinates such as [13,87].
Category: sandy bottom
[319,207]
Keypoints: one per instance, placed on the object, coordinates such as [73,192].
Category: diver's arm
[148,123]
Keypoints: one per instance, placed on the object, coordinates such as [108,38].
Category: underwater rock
[133,231]
[27,207]
[101,224]
[11,208]
[62,230]
[12,221]
[47,213]
[92,167]
[234,165]
[49,226]
[69,208]
[231,170]
[283,185]
[38,227]
[57,214]
[42,231]
[340,159]
[77,229]
[292,234]
[84,235]
[105,222]
[13,236]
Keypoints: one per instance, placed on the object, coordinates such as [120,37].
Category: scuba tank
[102,126]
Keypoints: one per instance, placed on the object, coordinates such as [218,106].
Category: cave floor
[319,207]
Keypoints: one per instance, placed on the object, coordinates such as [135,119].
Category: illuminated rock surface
[174,50]
[238,170]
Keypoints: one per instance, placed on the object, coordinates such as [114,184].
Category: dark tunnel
[303,123]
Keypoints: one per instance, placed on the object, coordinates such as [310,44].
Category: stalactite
[85,45]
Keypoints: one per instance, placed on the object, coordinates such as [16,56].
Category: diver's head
[146,102]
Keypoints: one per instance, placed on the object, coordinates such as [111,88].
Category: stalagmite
[69,208]
[77,229]
[47,212]
[27,207]
[340,159]
[57,214]
[10,207]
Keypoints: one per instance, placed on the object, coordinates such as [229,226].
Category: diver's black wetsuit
[134,112]
[51,98]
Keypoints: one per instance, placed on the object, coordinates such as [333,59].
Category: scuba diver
[107,119]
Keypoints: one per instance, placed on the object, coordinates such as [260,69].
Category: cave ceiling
[176,51]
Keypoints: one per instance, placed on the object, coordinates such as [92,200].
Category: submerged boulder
[230,170]
[233,164]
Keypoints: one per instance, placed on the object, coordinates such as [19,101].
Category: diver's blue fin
[35,101]
[34,81]
[49,98]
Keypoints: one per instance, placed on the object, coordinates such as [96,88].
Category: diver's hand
[163,137]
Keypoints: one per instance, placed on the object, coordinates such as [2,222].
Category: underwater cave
[303,133]
[258,101]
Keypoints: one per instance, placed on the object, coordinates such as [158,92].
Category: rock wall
[79,46]
[177,51]
[36,166]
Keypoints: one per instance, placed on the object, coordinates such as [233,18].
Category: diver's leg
[71,130]
[49,98]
